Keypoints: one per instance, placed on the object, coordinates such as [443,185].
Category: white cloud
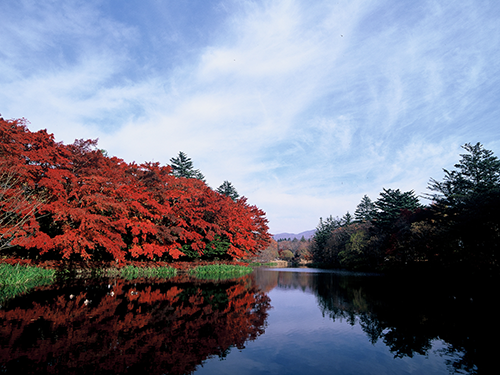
[304,107]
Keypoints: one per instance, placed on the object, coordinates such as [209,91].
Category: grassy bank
[13,273]
[133,272]
[17,274]
[219,271]
[17,279]
[258,264]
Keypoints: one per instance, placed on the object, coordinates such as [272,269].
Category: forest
[74,202]
[459,230]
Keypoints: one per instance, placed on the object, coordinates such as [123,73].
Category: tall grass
[220,271]
[15,275]
[132,272]
[16,280]
[258,264]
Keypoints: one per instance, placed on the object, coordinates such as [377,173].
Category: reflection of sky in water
[299,340]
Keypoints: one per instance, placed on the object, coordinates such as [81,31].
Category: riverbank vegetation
[18,279]
[17,274]
[133,272]
[458,231]
[74,202]
[220,271]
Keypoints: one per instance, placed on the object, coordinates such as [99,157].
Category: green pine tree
[476,173]
[391,203]
[365,210]
[182,166]
[346,219]
[228,190]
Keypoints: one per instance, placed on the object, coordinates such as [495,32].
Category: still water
[274,321]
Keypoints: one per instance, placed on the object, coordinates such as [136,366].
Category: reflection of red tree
[158,328]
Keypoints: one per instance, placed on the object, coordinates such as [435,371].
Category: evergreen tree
[182,166]
[347,219]
[468,202]
[364,210]
[321,236]
[477,172]
[391,203]
[228,190]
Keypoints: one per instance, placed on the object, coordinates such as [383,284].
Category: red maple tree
[102,208]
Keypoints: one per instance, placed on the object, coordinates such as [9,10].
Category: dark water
[282,321]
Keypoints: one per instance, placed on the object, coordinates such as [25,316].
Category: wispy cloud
[304,106]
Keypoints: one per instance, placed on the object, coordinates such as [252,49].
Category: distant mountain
[307,234]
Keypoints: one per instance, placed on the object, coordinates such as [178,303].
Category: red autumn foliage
[94,207]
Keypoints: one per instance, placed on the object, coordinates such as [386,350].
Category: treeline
[286,249]
[458,230]
[75,202]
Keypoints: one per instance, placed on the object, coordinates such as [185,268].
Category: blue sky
[304,106]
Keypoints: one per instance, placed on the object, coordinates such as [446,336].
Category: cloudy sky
[305,106]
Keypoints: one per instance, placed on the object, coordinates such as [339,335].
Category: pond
[273,321]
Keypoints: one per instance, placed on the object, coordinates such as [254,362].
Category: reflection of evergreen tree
[407,316]
[371,326]
[462,363]
[407,342]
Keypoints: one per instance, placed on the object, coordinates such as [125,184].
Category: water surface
[274,321]
[329,322]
